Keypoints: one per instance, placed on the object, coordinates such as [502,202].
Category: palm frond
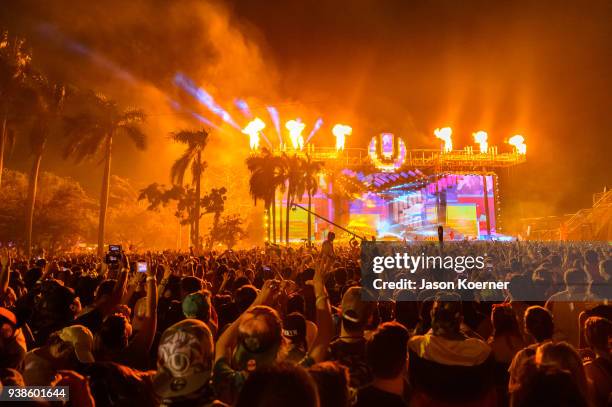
[179,167]
[198,138]
[132,116]
[134,132]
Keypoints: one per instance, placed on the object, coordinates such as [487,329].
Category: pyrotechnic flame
[252,129]
[481,138]
[341,131]
[518,142]
[295,128]
[445,134]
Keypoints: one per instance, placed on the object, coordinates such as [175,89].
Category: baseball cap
[354,309]
[184,359]
[197,305]
[259,339]
[294,327]
[81,339]
[8,316]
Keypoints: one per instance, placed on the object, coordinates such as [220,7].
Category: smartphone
[142,267]
[116,248]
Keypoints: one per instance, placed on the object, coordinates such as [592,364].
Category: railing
[415,158]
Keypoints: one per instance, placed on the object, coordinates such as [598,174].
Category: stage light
[445,134]
[203,97]
[243,106]
[340,131]
[252,130]
[295,128]
[481,138]
[315,128]
[518,142]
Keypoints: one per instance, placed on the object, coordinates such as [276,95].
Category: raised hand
[5,259]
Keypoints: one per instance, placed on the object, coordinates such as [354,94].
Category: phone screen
[142,266]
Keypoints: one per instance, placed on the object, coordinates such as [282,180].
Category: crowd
[288,327]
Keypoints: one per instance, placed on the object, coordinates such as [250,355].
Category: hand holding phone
[142,267]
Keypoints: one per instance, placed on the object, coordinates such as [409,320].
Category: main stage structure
[391,192]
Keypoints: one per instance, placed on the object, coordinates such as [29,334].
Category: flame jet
[445,134]
[341,131]
[481,138]
[296,127]
[252,129]
[518,142]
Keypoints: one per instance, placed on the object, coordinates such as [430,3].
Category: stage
[389,192]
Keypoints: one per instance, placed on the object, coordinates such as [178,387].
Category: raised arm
[5,263]
[325,323]
[229,337]
[143,339]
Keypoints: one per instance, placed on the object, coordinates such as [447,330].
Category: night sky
[541,69]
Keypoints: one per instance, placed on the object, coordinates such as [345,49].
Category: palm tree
[50,98]
[311,171]
[91,132]
[196,142]
[14,63]
[261,168]
[295,185]
[214,202]
[267,174]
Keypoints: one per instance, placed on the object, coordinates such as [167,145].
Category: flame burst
[445,134]
[295,128]
[341,131]
[252,129]
[518,142]
[481,138]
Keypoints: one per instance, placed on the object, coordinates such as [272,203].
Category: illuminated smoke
[445,134]
[243,106]
[341,131]
[316,128]
[276,120]
[481,138]
[205,98]
[295,128]
[518,142]
[252,130]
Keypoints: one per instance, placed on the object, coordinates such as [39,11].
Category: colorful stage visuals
[455,201]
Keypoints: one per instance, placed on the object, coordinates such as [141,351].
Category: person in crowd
[258,340]
[279,385]
[198,305]
[505,341]
[598,365]
[386,354]
[327,248]
[219,324]
[540,328]
[445,365]
[563,356]
[184,365]
[294,331]
[332,380]
[547,386]
[12,341]
[67,349]
[349,348]
[567,305]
